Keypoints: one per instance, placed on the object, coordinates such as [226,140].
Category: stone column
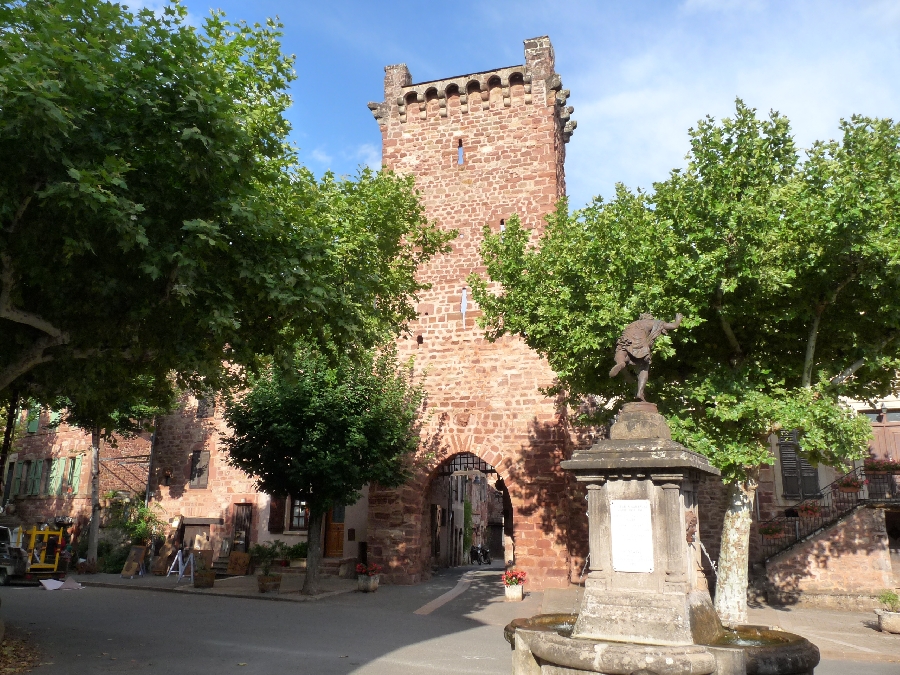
[596,504]
[675,536]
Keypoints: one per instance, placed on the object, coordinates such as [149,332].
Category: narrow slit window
[460,155]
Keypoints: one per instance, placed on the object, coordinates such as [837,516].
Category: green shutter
[33,422]
[54,483]
[17,478]
[37,468]
[55,417]
[76,474]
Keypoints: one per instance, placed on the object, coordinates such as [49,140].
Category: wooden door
[334,533]
[243,514]
[886,432]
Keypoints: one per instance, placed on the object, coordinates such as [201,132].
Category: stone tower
[482,147]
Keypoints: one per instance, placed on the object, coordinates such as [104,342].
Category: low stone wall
[841,567]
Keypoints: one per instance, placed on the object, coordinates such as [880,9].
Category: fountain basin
[546,647]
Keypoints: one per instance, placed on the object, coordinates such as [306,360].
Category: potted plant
[264,555]
[878,467]
[203,576]
[514,584]
[889,616]
[297,554]
[851,483]
[809,510]
[771,530]
[367,577]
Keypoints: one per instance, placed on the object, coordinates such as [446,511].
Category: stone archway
[548,541]
[465,502]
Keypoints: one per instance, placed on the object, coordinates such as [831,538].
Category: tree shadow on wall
[858,533]
[548,496]
[181,434]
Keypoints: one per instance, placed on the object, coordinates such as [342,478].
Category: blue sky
[641,73]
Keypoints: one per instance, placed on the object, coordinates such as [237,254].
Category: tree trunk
[7,438]
[734,555]
[313,552]
[94,531]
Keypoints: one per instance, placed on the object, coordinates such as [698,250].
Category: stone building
[48,473]
[482,147]
[820,544]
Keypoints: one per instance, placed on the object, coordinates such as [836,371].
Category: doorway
[334,533]
[466,501]
[243,514]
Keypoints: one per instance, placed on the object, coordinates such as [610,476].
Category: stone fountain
[646,608]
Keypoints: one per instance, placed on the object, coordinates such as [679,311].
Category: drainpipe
[150,464]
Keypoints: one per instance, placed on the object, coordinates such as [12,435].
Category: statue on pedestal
[634,347]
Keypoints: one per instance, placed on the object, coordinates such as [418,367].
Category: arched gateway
[482,147]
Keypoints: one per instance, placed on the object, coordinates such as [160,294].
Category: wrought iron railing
[833,502]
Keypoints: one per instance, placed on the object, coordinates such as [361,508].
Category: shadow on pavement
[100,630]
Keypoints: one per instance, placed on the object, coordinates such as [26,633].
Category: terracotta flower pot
[366,583]
[515,593]
[204,578]
[848,489]
[269,583]
[888,622]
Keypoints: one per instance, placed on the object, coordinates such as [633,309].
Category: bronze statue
[635,345]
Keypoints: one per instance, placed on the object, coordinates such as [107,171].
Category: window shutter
[799,478]
[76,474]
[55,481]
[33,422]
[790,465]
[38,474]
[199,469]
[61,476]
[17,478]
[276,513]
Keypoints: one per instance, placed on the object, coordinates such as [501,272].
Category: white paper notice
[632,535]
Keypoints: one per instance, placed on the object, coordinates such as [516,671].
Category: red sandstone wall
[483,397]
[179,435]
[850,557]
[123,468]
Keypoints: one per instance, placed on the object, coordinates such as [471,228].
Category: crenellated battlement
[533,83]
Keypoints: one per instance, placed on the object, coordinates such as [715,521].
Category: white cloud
[321,156]
[814,62]
[369,155]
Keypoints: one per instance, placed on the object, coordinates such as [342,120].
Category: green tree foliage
[153,213]
[321,429]
[787,272]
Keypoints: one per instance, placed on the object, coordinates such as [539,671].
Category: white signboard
[632,535]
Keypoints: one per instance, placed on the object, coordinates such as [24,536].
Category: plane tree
[322,427]
[787,271]
[153,211]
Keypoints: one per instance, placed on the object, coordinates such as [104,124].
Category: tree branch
[7,311]
[809,361]
[849,371]
[726,325]
[32,357]
[21,210]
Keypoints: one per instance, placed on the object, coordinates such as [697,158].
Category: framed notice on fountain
[631,534]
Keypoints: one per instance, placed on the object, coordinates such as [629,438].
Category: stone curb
[249,596]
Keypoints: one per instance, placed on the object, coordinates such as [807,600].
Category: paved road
[103,630]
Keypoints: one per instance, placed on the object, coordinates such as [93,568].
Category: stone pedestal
[645,583]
